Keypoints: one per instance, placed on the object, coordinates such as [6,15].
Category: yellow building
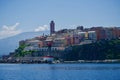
[86,35]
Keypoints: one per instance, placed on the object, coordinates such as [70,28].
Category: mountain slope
[10,44]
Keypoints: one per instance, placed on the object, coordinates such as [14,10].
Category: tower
[52,27]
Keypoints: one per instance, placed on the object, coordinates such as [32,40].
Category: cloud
[41,28]
[8,31]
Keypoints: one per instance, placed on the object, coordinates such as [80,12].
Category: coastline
[63,62]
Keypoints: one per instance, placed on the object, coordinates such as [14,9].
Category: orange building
[100,32]
[116,32]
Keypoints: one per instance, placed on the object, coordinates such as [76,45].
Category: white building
[82,34]
[48,58]
[32,45]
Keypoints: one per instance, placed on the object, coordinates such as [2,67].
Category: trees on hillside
[99,50]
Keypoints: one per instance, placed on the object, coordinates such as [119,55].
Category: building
[92,35]
[116,32]
[76,39]
[32,45]
[52,27]
[48,58]
[100,32]
[109,33]
[82,35]
[59,42]
[80,28]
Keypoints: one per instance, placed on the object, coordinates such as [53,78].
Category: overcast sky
[18,16]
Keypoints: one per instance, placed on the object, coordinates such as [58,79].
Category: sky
[17,16]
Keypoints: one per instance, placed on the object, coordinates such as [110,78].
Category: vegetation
[21,53]
[100,50]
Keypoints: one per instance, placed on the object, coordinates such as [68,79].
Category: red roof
[47,56]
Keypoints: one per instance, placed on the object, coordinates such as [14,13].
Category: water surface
[86,71]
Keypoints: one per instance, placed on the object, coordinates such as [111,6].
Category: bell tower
[52,27]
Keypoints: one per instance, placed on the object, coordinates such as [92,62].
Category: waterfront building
[48,58]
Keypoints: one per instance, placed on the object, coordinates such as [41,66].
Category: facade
[59,42]
[100,32]
[41,44]
[92,35]
[32,45]
[76,39]
[107,33]
[82,35]
[68,40]
[116,32]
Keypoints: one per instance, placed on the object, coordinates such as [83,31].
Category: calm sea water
[84,71]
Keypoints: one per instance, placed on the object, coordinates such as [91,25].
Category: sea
[79,71]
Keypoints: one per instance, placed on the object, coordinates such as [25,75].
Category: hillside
[99,50]
[10,44]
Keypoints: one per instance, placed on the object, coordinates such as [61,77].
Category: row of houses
[67,37]
[106,33]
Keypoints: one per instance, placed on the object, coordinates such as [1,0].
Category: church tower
[52,27]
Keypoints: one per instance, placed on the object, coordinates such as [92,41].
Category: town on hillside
[57,44]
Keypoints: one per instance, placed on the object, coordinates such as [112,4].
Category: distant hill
[11,43]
